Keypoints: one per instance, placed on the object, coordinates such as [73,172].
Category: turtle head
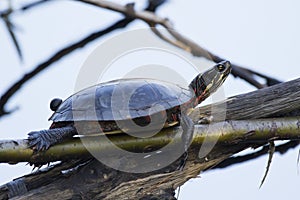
[208,82]
[55,103]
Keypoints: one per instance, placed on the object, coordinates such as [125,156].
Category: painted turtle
[145,100]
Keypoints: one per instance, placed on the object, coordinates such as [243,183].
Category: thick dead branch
[279,100]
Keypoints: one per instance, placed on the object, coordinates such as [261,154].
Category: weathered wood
[278,100]
[93,180]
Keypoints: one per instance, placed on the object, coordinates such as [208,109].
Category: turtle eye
[221,67]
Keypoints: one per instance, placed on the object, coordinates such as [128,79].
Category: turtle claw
[38,141]
[42,140]
[38,165]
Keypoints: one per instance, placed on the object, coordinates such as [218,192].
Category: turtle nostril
[221,67]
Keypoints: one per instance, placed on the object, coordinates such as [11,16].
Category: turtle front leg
[187,125]
[42,140]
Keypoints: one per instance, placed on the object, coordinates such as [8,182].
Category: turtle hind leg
[42,140]
[187,125]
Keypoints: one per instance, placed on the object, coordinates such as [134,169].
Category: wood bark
[279,100]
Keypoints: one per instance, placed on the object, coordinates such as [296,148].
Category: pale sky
[261,35]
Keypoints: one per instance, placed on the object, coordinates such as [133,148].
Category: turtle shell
[121,100]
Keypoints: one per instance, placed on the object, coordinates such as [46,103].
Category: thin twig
[10,28]
[5,15]
[35,4]
[146,15]
[283,148]
[25,7]
[271,153]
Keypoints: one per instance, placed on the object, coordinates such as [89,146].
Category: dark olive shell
[121,100]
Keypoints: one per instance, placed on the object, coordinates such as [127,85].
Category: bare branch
[5,15]
[10,28]
[35,4]
[145,15]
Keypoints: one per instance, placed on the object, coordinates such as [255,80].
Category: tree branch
[34,4]
[5,15]
[281,100]
[10,28]
[226,133]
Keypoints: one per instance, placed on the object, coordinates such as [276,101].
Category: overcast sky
[261,35]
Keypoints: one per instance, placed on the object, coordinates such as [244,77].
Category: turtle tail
[43,139]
